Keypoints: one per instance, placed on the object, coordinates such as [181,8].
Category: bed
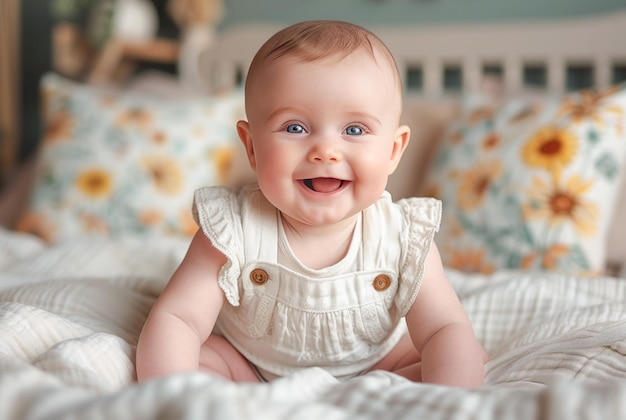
[532,243]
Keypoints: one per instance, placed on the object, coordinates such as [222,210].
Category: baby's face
[323,136]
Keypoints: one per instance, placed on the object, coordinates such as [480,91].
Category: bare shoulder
[437,304]
[435,288]
[198,272]
[202,251]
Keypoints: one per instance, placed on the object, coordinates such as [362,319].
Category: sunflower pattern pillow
[531,184]
[117,163]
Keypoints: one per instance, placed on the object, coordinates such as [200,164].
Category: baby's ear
[243,130]
[401,141]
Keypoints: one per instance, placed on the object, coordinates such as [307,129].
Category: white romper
[283,316]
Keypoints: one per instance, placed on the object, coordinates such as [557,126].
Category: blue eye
[354,130]
[295,129]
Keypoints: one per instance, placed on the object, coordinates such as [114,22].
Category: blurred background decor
[10,98]
[518,123]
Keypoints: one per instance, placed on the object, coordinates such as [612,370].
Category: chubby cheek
[373,167]
[272,168]
[371,183]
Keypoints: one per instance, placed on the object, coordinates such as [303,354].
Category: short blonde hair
[318,40]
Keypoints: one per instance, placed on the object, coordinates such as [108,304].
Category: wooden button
[382,282]
[259,276]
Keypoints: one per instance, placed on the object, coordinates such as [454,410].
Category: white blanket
[70,316]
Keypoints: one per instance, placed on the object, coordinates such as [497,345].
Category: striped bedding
[70,315]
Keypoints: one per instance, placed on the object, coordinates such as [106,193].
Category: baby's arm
[442,332]
[184,315]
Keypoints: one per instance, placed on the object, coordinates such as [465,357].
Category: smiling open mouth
[324,185]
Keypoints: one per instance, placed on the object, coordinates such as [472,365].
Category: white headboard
[555,55]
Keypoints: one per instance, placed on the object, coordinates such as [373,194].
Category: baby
[315,265]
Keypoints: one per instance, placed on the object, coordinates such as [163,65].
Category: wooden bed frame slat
[595,41]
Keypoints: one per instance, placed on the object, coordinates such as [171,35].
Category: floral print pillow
[118,163]
[531,183]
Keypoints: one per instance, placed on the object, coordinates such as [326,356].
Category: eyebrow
[366,116]
[284,110]
[353,114]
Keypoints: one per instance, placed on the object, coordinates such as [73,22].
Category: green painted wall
[368,12]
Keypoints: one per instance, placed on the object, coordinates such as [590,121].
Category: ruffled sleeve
[422,217]
[217,212]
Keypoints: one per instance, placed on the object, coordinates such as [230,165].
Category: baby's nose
[325,151]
